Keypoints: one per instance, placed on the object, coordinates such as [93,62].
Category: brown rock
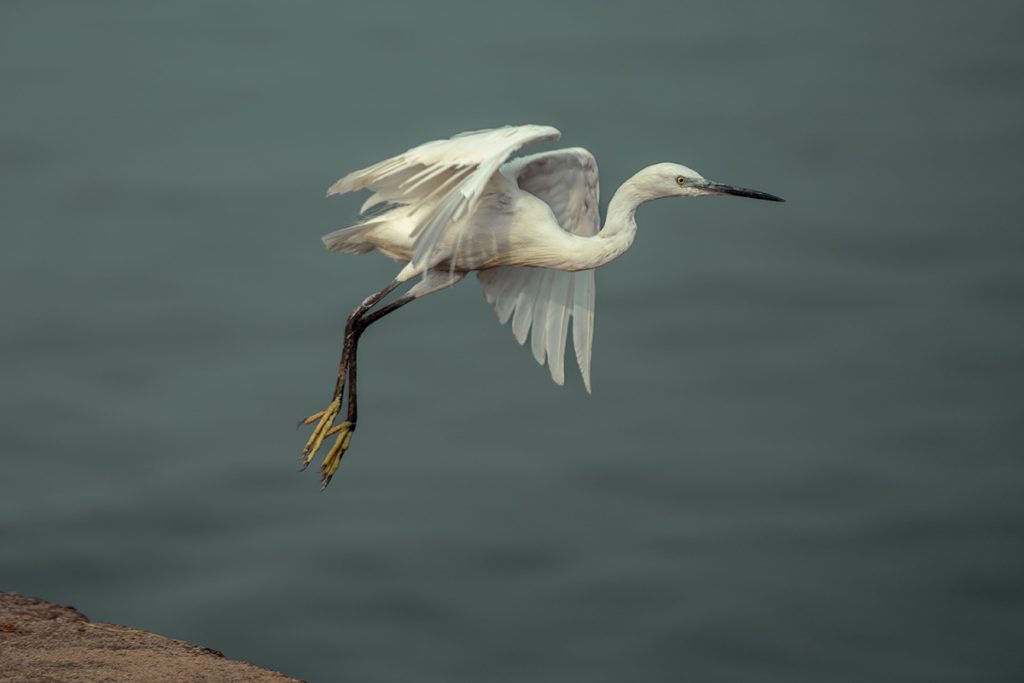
[45,643]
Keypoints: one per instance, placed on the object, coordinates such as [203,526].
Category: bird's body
[530,227]
[509,228]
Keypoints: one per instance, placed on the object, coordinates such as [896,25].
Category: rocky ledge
[42,643]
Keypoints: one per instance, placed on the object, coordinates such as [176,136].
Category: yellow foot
[330,464]
[324,421]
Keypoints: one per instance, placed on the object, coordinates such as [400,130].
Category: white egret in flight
[530,228]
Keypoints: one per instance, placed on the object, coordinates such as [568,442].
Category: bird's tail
[350,240]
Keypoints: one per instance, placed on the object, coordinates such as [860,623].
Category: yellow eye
[681,180]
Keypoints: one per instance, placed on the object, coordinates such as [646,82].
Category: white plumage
[458,207]
[529,227]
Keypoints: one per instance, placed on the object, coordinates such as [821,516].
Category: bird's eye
[681,180]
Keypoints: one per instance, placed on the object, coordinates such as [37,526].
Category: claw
[316,439]
[330,464]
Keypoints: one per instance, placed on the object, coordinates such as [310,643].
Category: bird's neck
[619,226]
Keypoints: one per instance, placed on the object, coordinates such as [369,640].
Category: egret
[529,227]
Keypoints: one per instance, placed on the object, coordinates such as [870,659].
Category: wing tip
[550,132]
[341,187]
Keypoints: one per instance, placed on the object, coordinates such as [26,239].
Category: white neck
[619,227]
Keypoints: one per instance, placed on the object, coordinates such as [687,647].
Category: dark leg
[357,325]
[325,418]
[360,310]
[361,318]
[352,343]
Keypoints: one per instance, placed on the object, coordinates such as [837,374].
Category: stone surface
[45,643]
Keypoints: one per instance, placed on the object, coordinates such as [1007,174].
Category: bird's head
[676,180]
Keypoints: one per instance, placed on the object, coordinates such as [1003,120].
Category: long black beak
[711,187]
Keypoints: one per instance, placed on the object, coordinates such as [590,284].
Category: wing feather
[442,179]
[541,301]
[539,329]
[557,323]
[583,321]
[524,299]
[506,291]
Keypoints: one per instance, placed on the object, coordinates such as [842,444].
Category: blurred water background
[802,460]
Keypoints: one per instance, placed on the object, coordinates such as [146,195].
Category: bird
[529,226]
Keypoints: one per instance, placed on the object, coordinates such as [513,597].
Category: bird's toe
[333,458]
[324,420]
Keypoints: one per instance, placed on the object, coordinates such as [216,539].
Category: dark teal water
[802,460]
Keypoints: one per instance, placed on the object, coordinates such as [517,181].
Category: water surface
[801,461]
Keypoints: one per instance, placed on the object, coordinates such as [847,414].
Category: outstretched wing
[441,180]
[541,299]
